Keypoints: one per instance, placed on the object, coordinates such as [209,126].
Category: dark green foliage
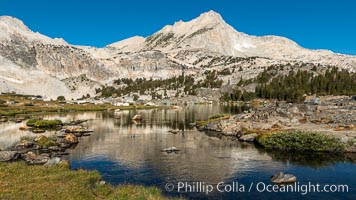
[142,85]
[298,140]
[198,32]
[225,72]
[293,86]
[61,98]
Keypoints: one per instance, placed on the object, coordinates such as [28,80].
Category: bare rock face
[32,63]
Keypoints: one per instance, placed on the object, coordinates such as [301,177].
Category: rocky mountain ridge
[32,63]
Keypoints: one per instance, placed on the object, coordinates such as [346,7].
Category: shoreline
[60,182]
[332,120]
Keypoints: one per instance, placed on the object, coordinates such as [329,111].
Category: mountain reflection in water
[124,151]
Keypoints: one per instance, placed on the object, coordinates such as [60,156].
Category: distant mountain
[36,64]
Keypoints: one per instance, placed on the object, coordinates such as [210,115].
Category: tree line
[293,86]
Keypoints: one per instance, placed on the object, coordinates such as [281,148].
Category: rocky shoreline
[334,117]
[47,150]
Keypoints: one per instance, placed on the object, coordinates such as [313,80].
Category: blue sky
[315,24]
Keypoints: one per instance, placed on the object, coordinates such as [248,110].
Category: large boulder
[70,139]
[40,160]
[8,155]
[29,156]
[24,144]
[248,138]
[52,161]
[282,178]
[45,142]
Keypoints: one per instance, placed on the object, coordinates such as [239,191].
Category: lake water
[126,152]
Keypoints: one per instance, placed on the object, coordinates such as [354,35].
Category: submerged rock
[78,130]
[137,118]
[170,149]
[3,119]
[174,131]
[38,130]
[281,178]
[24,128]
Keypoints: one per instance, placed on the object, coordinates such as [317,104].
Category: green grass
[214,118]
[217,116]
[21,181]
[48,123]
[299,140]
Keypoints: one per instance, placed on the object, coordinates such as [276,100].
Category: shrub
[61,98]
[298,140]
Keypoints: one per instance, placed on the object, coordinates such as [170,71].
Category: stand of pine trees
[184,83]
[293,86]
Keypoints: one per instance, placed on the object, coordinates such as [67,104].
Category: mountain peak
[13,22]
[210,16]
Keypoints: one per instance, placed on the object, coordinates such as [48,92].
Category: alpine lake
[205,167]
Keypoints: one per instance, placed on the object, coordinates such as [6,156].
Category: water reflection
[127,152]
[316,160]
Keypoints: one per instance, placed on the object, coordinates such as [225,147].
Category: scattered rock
[40,160]
[24,128]
[192,124]
[54,148]
[24,144]
[77,130]
[4,119]
[29,156]
[8,155]
[170,149]
[52,161]
[282,178]
[86,134]
[61,134]
[18,120]
[248,138]
[43,142]
[77,122]
[70,139]
[137,118]
[38,130]
[174,131]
